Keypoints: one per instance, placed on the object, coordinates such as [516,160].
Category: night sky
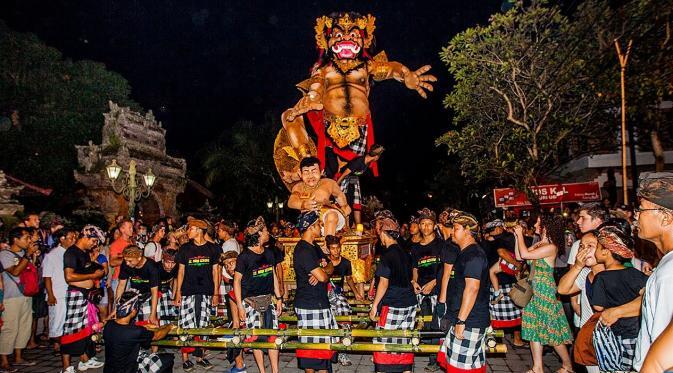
[203,65]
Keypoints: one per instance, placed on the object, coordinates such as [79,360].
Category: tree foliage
[49,104]
[238,166]
[521,97]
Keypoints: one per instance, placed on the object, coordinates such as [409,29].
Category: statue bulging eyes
[338,35]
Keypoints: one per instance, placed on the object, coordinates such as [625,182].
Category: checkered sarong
[167,310]
[316,319]
[433,301]
[253,319]
[357,191]
[76,317]
[338,303]
[145,310]
[392,318]
[149,362]
[504,314]
[188,317]
[464,354]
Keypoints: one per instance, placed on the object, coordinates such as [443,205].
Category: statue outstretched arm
[382,69]
[313,89]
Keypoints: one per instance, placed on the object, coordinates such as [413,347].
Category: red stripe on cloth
[315,354]
[388,358]
[441,360]
[500,324]
[383,315]
[357,207]
[142,323]
[74,337]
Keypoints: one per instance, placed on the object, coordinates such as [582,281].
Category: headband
[657,187]
[306,220]
[609,239]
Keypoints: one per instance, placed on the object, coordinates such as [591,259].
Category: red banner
[548,194]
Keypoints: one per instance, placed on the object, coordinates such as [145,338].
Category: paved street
[516,360]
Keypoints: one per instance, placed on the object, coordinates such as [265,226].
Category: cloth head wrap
[92,231]
[132,251]
[493,224]
[467,220]
[426,213]
[446,216]
[413,220]
[168,255]
[657,187]
[255,226]
[129,301]
[307,219]
[386,222]
[609,238]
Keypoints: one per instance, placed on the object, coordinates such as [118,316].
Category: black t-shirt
[122,345]
[448,255]
[257,272]
[614,288]
[306,258]
[341,271]
[505,241]
[395,265]
[427,260]
[198,262]
[165,278]
[142,279]
[357,166]
[471,263]
[78,260]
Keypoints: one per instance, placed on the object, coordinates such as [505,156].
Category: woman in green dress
[543,321]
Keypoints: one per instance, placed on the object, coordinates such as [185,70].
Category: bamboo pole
[356,319]
[356,347]
[363,333]
[623,60]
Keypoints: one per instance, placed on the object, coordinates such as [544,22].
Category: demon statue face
[344,38]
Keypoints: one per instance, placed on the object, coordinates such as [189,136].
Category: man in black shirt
[126,344]
[256,288]
[198,285]
[312,271]
[167,272]
[467,303]
[427,267]
[395,301]
[143,275]
[448,257]
[80,273]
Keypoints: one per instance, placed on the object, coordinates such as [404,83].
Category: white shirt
[153,251]
[573,252]
[231,245]
[52,266]
[657,309]
[585,307]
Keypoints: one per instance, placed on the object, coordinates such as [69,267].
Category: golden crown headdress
[345,21]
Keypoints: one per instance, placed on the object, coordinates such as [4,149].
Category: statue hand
[291,176]
[420,81]
[305,105]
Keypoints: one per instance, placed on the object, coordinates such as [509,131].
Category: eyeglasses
[639,210]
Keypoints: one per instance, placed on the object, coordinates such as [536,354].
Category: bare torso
[321,193]
[346,95]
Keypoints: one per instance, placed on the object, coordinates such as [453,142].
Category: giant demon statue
[336,99]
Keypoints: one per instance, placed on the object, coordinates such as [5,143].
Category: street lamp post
[275,207]
[128,187]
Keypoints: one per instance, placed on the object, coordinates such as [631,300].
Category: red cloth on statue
[317,120]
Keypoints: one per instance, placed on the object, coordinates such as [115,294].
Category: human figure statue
[315,193]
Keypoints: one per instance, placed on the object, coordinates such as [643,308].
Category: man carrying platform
[463,349]
[142,274]
[312,306]
[395,301]
[314,193]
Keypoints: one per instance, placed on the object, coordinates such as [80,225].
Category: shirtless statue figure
[336,97]
[314,192]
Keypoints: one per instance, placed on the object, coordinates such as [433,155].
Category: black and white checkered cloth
[188,316]
[253,319]
[432,298]
[149,362]
[316,319]
[76,317]
[505,310]
[357,191]
[167,310]
[338,303]
[145,310]
[467,353]
[392,318]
